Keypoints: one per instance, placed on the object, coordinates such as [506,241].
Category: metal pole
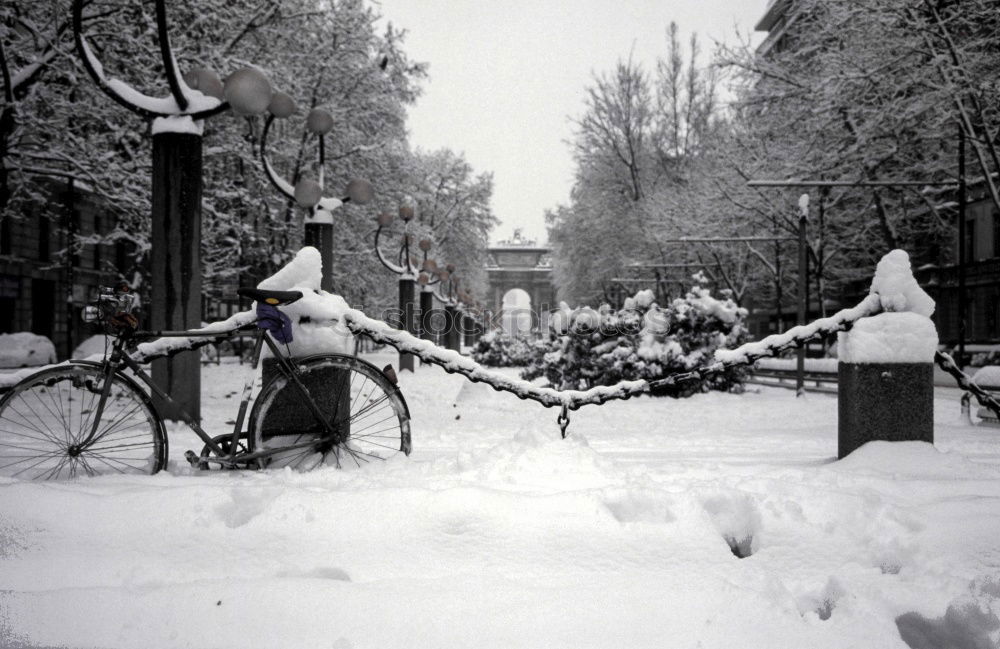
[176,263]
[800,365]
[451,338]
[320,236]
[407,316]
[962,260]
[426,313]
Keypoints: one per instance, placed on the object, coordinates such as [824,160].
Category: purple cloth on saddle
[277,323]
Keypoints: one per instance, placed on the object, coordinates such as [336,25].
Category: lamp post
[177,122]
[451,337]
[308,193]
[405,268]
[427,279]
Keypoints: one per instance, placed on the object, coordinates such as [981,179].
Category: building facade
[52,265]
[940,276]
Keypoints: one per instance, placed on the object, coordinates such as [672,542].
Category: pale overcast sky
[506,75]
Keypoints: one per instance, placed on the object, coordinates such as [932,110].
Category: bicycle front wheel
[366,417]
[47,419]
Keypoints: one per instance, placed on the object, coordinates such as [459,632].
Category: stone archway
[516,312]
[519,263]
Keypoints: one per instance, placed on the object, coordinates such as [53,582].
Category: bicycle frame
[118,358]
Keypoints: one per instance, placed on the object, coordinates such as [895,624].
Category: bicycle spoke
[43,456]
[57,469]
[113,424]
[108,464]
[61,415]
[374,406]
[51,413]
[29,467]
[354,433]
[28,423]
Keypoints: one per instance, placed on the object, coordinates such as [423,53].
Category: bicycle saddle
[274,298]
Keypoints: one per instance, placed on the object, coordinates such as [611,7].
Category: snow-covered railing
[324,323]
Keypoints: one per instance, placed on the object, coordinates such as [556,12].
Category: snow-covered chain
[985,399]
[455,363]
[777,343]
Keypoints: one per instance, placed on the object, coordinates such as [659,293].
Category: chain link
[985,399]
[563,420]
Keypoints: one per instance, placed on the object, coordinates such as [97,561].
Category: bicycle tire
[367,411]
[45,417]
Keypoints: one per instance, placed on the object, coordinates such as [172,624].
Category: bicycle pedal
[192,458]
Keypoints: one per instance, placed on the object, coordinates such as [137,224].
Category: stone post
[886,373]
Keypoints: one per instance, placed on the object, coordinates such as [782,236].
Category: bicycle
[91,418]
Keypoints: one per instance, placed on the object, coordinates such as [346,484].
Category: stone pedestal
[331,391]
[891,402]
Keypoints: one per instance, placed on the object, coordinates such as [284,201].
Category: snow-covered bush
[643,340]
[499,349]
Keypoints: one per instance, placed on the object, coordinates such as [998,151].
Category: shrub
[498,349]
[588,347]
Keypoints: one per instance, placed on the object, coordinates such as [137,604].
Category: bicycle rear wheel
[46,419]
[367,413]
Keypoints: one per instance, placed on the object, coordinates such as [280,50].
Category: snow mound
[913,461]
[988,376]
[537,458]
[25,349]
[93,346]
[889,338]
[896,287]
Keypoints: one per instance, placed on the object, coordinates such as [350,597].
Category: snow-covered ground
[497,533]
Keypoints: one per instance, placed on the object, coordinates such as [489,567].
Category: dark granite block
[891,402]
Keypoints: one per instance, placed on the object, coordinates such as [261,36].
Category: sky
[507,76]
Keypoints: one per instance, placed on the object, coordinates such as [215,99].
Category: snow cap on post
[897,288]
[904,332]
[304,271]
[804,205]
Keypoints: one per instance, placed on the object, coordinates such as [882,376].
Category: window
[996,234]
[969,243]
[5,235]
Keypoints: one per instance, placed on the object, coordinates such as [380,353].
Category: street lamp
[308,193]
[405,266]
[427,279]
[451,323]
[177,122]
